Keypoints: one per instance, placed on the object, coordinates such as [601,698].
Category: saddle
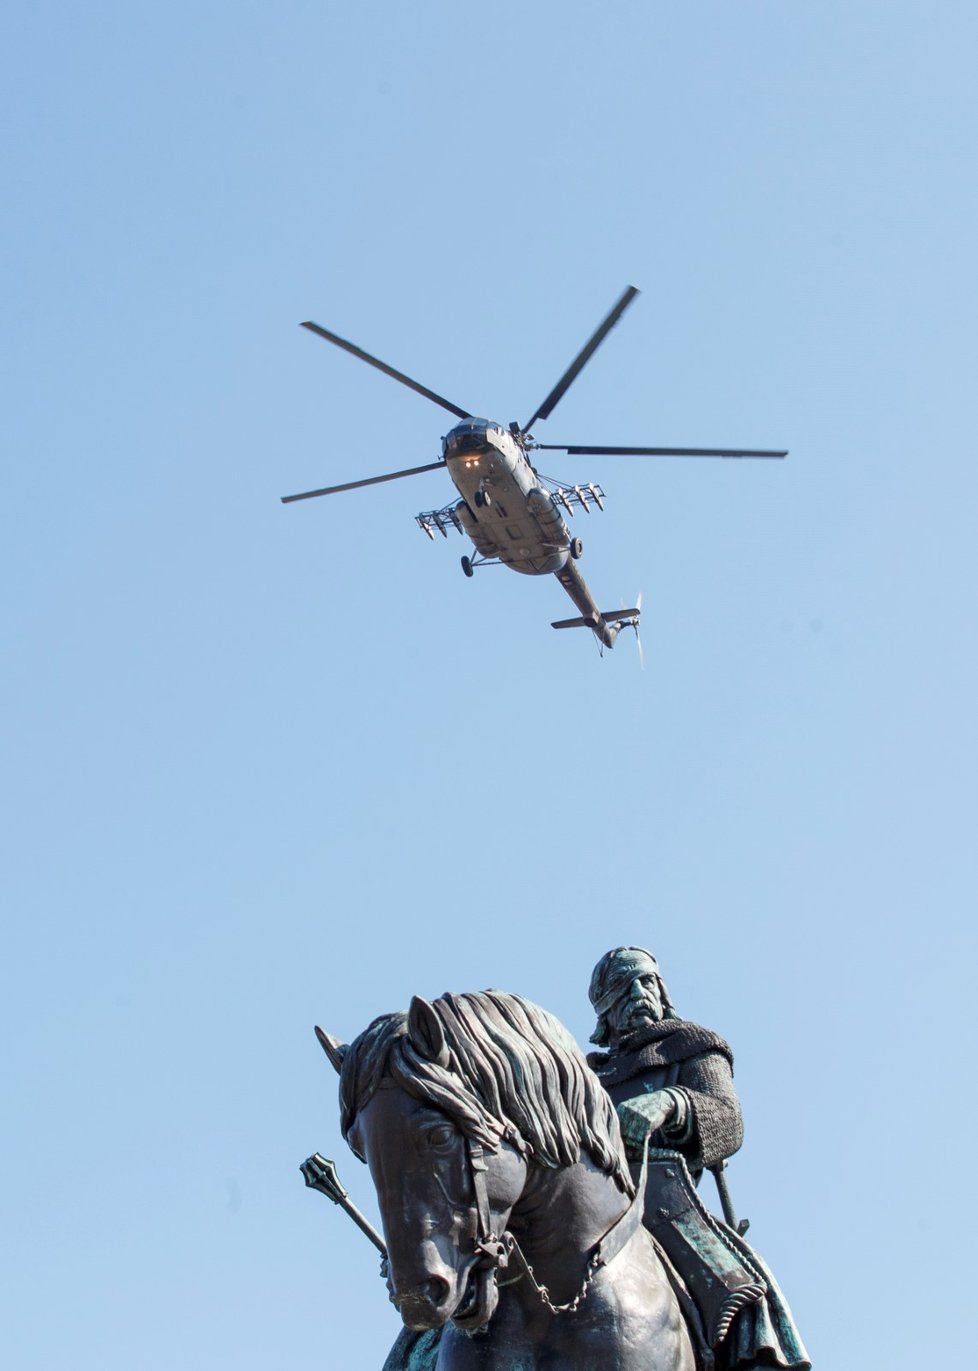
[719,1277]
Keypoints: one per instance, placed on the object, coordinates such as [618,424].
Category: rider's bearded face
[639,1005]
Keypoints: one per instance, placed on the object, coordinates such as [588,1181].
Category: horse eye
[443,1135]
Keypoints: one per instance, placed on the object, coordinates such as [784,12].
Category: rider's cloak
[696,1066]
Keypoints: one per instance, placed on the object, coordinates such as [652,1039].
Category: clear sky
[267,766]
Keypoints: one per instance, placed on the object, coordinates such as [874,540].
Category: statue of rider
[672,1083]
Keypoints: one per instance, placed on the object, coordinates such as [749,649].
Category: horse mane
[513,1073]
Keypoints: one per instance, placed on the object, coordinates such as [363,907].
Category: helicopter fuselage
[506,511]
[513,518]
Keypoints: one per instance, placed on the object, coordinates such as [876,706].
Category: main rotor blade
[388,371]
[582,358]
[656,451]
[355,485]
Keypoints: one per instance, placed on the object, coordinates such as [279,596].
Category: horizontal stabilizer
[575,623]
[615,615]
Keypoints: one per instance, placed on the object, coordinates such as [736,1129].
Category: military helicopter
[513,515]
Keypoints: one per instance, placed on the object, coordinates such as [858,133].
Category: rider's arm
[712,1128]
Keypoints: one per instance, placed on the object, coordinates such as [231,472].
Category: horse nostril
[436,1288]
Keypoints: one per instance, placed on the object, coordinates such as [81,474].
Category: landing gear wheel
[482,499]
[467,566]
[576,548]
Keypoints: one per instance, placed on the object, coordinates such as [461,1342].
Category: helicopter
[512,514]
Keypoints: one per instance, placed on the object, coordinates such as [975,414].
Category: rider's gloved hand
[645,1114]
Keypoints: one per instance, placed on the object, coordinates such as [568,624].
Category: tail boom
[604,625]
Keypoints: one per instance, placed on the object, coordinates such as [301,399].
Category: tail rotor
[638,637]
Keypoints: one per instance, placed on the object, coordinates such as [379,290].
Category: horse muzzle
[480,1297]
[426,1306]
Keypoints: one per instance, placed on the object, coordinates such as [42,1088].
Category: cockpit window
[468,440]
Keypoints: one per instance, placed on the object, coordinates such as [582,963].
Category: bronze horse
[512,1222]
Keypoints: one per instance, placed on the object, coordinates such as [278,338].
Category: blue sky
[271,766]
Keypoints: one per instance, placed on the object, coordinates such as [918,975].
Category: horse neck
[560,1218]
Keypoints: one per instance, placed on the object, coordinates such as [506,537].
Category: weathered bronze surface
[672,1083]
[529,1223]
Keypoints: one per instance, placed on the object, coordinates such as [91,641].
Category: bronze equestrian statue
[520,1231]
[513,1225]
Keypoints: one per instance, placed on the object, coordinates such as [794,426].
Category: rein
[504,1250]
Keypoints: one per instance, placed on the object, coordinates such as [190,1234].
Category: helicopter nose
[469,445]
[468,440]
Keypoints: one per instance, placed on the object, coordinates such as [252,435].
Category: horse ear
[334,1049]
[426,1033]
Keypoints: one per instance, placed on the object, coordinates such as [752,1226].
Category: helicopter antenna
[582,358]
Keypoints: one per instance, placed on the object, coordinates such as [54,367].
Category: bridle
[502,1251]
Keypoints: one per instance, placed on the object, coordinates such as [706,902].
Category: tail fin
[582,622]
[606,626]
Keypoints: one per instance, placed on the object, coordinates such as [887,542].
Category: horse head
[421,1165]
[440,1216]
[453,1106]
